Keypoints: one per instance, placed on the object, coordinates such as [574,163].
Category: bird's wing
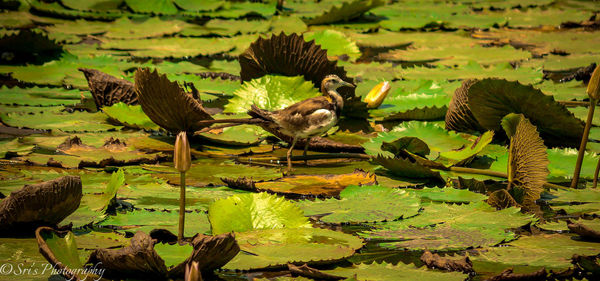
[307,107]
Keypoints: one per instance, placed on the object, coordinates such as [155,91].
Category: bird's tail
[256,112]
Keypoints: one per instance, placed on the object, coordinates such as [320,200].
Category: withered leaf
[167,104]
[210,253]
[42,204]
[108,90]
[459,116]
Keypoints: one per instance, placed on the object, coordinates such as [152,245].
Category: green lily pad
[131,116]
[562,164]
[146,221]
[451,227]
[473,70]
[448,194]
[274,248]
[457,55]
[41,96]
[271,92]
[163,7]
[287,24]
[552,251]
[387,272]
[175,47]
[384,204]
[152,27]
[197,6]
[344,12]
[93,5]
[242,135]
[15,148]
[588,195]
[173,254]
[246,212]
[64,248]
[335,42]
[210,171]
[49,118]
[452,147]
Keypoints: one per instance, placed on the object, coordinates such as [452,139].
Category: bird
[308,118]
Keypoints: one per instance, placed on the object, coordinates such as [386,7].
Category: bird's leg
[289,154]
[305,149]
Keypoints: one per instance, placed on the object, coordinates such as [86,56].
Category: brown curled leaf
[583,230]
[108,90]
[210,253]
[42,204]
[309,272]
[167,104]
[508,275]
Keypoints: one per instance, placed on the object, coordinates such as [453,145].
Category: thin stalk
[584,139]
[181,206]
[510,161]
[596,173]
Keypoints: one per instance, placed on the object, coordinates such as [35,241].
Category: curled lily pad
[46,203]
[167,104]
[108,90]
[528,164]
[291,55]
[383,203]
[252,211]
[60,249]
[491,99]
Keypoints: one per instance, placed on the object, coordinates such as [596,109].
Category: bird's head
[332,82]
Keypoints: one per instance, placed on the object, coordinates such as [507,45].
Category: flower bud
[376,96]
[192,273]
[182,157]
[593,88]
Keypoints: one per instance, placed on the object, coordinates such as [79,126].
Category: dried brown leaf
[108,90]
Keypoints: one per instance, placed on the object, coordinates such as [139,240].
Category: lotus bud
[182,157]
[192,273]
[593,88]
[376,96]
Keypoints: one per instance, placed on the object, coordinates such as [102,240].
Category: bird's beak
[344,83]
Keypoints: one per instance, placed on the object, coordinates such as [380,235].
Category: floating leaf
[130,116]
[145,221]
[246,212]
[448,227]
[552,251]
[448,194]
[60,249]
[271,92]
[274,248]
[306,185]
[162,7]
[38,96]
[335,42]
[383,204]
[388,272]
[345,12]
[173,254]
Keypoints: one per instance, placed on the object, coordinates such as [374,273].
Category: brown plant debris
[167,104]
[108,90]
[435,261]
[42,204]
[529,163]
[290,55]
[215,75]
[508,275]
[589,264]
[309,272]
[138,260]
[583,230]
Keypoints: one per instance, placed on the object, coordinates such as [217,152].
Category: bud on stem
[376,96]
[593,88]
[182,157]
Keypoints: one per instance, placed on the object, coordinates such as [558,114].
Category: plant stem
[584,139]
[596,173]
[181,206]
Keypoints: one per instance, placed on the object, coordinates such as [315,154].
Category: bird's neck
[335,97]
